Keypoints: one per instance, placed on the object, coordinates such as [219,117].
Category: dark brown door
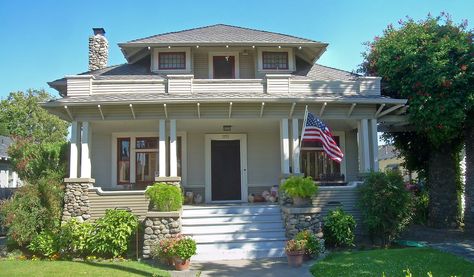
[225,170]
[224,67]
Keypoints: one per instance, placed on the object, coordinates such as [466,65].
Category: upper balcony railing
[278,84]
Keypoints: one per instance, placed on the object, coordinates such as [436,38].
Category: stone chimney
[98,49]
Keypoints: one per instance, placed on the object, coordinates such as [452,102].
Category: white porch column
[363,140]
[85,150]
[284,146]
[162,148]
[14,179]
[73,156]
[173,149]
[375,145]
[295,146]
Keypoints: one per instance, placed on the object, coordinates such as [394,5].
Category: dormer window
[171,60]
[275,60]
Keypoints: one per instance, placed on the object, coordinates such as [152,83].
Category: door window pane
[146,165]
[123,152]
[146,143]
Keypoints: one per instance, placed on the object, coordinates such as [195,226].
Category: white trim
[291,59]
[226,53]
[295,146]
[363,134]
[85,150]
[284,147]
[133,136]
[243,164]
[173,149]
[73,156]
[375,144]
[162,148]
[155,56]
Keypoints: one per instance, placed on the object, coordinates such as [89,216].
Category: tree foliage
[431,63]
[39,147]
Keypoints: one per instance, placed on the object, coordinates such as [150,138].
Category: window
[317,164]
[140,164]
[123,151]
[275,60]
[146,159]
[171,60]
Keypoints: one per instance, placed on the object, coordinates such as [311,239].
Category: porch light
[253,46]
[227,46]
[197,46]
[169,46]
[148,48]
[227,128]
[279,46]
[299,47]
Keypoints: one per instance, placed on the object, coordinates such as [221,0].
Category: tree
[431,63]
[40,138]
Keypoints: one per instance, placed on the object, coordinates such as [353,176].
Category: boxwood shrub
[165,197]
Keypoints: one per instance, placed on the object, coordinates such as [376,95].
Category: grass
[68,268]
[392,262]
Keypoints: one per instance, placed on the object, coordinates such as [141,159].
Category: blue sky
[45,40]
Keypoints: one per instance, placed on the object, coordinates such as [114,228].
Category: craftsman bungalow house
[222,108]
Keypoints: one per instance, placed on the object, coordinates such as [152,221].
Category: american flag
[316,130]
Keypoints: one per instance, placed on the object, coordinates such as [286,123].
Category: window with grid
[315,162]
[275,60]
[171,60]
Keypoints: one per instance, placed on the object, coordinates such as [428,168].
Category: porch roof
[215,97]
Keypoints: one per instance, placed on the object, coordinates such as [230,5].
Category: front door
[224,67]
[225,170]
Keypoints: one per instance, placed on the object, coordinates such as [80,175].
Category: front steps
[232,232]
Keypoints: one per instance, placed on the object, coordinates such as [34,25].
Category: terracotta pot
[180,264]
[295,259]
[298,201]
[307,257]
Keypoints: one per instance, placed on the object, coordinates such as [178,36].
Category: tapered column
[363,140]
[74,150]
[85,150]
[284,146]
[173,149]
[162,149]
[374,153]
[295,146]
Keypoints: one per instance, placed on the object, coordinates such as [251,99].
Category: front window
[318,165]
[171,60]
[275,60]
[145,168]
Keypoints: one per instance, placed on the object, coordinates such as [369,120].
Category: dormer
[223,52]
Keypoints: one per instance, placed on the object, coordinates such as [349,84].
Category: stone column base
[76,199]
[159,225]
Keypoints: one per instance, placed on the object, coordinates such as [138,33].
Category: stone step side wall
[160,225]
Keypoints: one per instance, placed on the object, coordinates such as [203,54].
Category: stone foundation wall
[298,219]
[76,200]
[159,225]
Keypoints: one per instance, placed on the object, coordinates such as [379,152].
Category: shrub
[32,209]
[73,238]
[164,197]
[296,186]
[339,228]
[295,246]
[184,247]
[111,233]
[45,244]
[313,245]
[385,204]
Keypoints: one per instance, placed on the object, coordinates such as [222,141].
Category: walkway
[248,268]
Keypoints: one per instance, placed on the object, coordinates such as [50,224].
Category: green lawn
[392,262]
[66,268]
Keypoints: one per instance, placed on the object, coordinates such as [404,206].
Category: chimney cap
[99,31]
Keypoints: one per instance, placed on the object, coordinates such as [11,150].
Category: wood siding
[101,201]
[329,198]
[105,87]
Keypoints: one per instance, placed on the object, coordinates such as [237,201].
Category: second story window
[275,60]
[171,60]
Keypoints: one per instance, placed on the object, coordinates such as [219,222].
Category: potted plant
[301,189]
[183,249]
[163,251]
[313,245]
[294,252]
[165,197]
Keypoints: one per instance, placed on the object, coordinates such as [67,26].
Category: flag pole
[304,124]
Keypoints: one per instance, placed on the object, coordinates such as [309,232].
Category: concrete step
[191,211]
[216,239]
[238,254]
[212,220]
[235,236]
[230,228]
